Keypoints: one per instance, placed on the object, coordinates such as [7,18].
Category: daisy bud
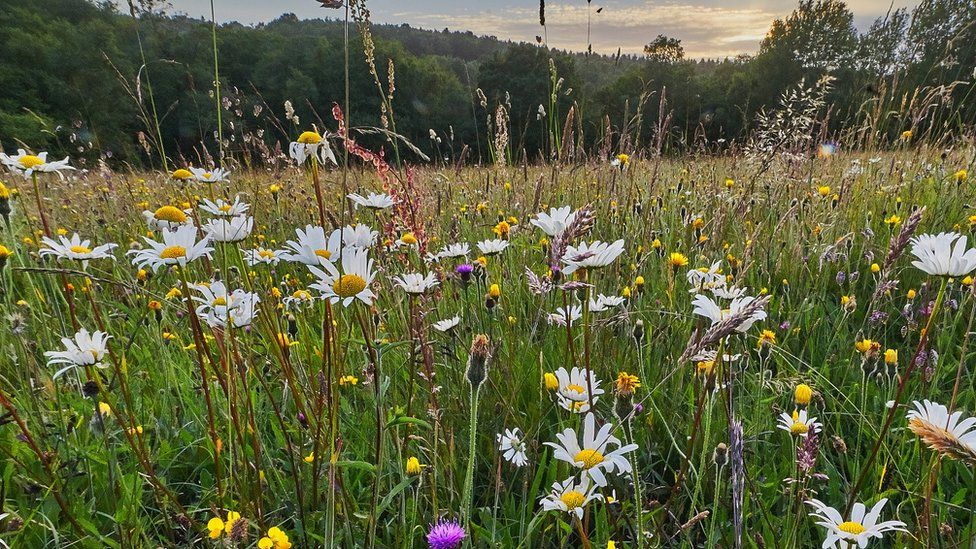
[478,361]
[639,331]
[802,394]
[90,389]
[292,326]
[720,455]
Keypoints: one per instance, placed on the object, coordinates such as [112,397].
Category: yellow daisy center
[575,388]
[590,458]
[225,208]
[29,161]
[309,138]
[851,527]
[208,175]
[266,254]
[182,174]
[798,428]
[572,499]
[171,214]
[349,285]
[219,302]
[173,252]
[80,250]
[324,254]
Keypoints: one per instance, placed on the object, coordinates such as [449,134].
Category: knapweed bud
[478,361]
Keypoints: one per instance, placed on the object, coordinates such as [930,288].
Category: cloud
[705,31]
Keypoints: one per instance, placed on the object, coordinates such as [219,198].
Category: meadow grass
[352,426]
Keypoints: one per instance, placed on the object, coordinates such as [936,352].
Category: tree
[664,49]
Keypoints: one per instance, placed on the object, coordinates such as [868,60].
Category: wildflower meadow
[347,338]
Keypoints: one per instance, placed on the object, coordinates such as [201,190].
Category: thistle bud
[478,361]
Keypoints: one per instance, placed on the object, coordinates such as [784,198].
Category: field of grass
[362,423]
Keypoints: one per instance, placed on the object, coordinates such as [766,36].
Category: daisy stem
[898,394]
[638,497]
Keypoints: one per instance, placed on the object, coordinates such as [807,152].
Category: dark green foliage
[72,80]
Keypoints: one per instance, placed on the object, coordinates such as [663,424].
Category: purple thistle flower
[464,270]
[445,534]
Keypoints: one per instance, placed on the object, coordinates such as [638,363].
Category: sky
[706,28]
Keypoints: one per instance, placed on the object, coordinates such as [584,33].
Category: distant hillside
[73,80]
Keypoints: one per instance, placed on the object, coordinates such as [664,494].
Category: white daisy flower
[360,236]
[220,309]
[944,254]
[167,218]
[77,249]
[85,349]
[28,164]
[604,302]
[706,278]
[447,324]
[571,496]
[593,454]
[728,292]
[210,176]
[375,201]
[944,432]
[178,247]
[800,423]
[856,531]
[416,283]
[263,256]
[512,447]
[573,393]
[591,256]
[299,299]
[555,221]
[233,229]
[309,145]
[461,249]
[562,316]
[492,247]
[312,246]
[222,208]
[352,283]
[706,307]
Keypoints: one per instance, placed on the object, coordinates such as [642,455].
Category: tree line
[86,79]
